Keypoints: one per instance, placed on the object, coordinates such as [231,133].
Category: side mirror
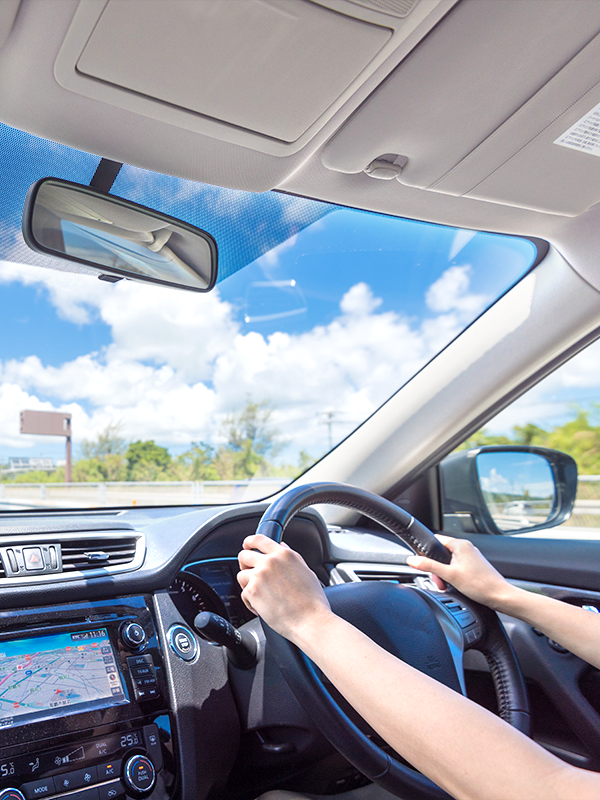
[117,238]
[507,489]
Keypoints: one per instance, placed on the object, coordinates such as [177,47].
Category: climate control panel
[113,767]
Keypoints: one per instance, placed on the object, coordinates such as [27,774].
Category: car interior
[476,115]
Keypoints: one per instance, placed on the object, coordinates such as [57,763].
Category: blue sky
[335,311]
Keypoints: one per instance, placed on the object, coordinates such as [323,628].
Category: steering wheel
[427,629]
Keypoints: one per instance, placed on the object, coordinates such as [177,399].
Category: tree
[529,434]
[103,458]
[250,439]
[146,461]
[481,439]
[580,439]
[109,443]
[197,463]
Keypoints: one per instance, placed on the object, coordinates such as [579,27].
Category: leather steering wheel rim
[305,682]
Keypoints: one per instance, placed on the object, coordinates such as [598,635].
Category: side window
[534,469]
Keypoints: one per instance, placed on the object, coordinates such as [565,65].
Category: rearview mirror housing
[507,489]
[117,238]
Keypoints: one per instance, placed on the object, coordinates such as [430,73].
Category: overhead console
[488,121]
[260,78]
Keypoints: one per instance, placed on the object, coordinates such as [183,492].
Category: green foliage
[147,461]
[481,439]
[41,476]
[103,458]
[109,443]
[250,439]
[251,442]
[581,440]
[578,437]
[197,464]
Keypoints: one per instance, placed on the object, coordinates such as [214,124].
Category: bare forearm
[467,750]
[575,628]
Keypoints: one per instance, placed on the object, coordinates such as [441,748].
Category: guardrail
[110,494]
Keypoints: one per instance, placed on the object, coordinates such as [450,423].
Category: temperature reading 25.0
[131,739]
[7,769]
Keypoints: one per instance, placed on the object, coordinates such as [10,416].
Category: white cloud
[359,301]
[554,400]
[451,292]
[178,361]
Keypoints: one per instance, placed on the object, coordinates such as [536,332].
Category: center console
[84,707]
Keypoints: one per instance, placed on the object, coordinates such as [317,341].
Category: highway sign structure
[50,423]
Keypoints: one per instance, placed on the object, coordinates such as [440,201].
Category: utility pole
[329,415]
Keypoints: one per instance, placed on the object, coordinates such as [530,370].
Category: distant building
[26,464]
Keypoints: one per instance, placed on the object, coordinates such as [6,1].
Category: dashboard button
[139,775]
[75,779]
[39,788]
[11,794]
[133,635]
[183,642]
[152,739]
[111,791]
[33,558]
[112,769]
[140,661]
[138,672]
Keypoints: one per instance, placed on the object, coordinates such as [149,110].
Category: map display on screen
[47,674]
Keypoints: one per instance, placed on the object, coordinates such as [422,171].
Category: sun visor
[439,125]
[262,77]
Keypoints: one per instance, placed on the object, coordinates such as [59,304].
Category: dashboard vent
[379,575]
[98,551]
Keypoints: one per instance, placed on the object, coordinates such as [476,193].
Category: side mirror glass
[507,489]
[518,489]
[116,237]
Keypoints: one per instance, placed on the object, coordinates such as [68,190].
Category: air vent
[99,551]
[361,571]
[391,576]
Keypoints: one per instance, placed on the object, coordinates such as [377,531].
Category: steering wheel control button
[139,774]
[472,635]
[11,794]
[183,642]
[133,636]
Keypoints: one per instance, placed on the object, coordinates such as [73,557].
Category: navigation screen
[44,676]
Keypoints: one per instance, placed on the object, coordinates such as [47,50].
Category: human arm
[573,627]
[468,751]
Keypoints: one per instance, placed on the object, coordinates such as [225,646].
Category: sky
[331,313]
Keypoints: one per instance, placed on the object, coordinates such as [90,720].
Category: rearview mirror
[116,237]
[507,489]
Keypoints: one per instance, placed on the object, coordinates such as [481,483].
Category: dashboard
[106,691]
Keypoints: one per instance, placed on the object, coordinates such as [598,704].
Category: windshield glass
[319,315]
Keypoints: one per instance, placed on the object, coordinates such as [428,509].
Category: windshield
[319,315]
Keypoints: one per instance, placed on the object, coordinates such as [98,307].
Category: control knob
[133,636]
[139,775]
[11,794]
